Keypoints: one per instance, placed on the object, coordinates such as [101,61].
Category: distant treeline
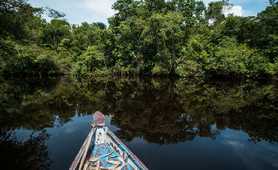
[181,38]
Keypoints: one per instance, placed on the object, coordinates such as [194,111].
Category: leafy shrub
[233,58]
[29,62]
[189,68]
[7,53]
[194,57]
[224,58]
[28,66]
[159,70]
[92,60]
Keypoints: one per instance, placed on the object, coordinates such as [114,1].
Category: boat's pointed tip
[99,118]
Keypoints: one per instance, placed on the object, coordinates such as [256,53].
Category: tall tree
[273,2]
[15,16]
[54,32]
[215,11]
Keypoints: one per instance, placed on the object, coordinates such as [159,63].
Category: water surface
[169,124]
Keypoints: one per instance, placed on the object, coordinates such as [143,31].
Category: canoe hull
[102,149]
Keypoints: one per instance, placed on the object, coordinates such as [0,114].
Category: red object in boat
[99,119]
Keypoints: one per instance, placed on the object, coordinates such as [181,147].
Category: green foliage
[150,34]
[233,58]
[54,32]
[258,32]
[273,2]
[91,61]
[214,11]
[84,36]
[28,62]
[159,70]
[226,58]
[55,14]
[151,37]
[7,53]
[194,57]
[13,15]
[164,35]
[269,30]
[189,69]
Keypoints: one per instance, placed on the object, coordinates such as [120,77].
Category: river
[168,124]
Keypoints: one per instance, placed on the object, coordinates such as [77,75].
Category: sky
[78,11]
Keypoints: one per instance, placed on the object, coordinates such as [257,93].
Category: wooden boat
[103,150]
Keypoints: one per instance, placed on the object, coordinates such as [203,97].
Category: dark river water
[168,124]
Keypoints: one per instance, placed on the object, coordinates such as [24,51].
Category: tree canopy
[149,37]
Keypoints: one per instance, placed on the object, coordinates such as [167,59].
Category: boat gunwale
[127,150]
[81,152]
[76,162]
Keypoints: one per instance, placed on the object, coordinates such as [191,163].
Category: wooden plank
[127,150]
[86,148]
[82,150]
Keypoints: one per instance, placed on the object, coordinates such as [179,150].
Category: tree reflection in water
[158,110]
[173,111]
[30,154]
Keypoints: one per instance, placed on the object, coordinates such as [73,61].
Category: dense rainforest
[183,38]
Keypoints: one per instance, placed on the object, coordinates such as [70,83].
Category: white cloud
[101,8]
[235,10]
[208,1]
